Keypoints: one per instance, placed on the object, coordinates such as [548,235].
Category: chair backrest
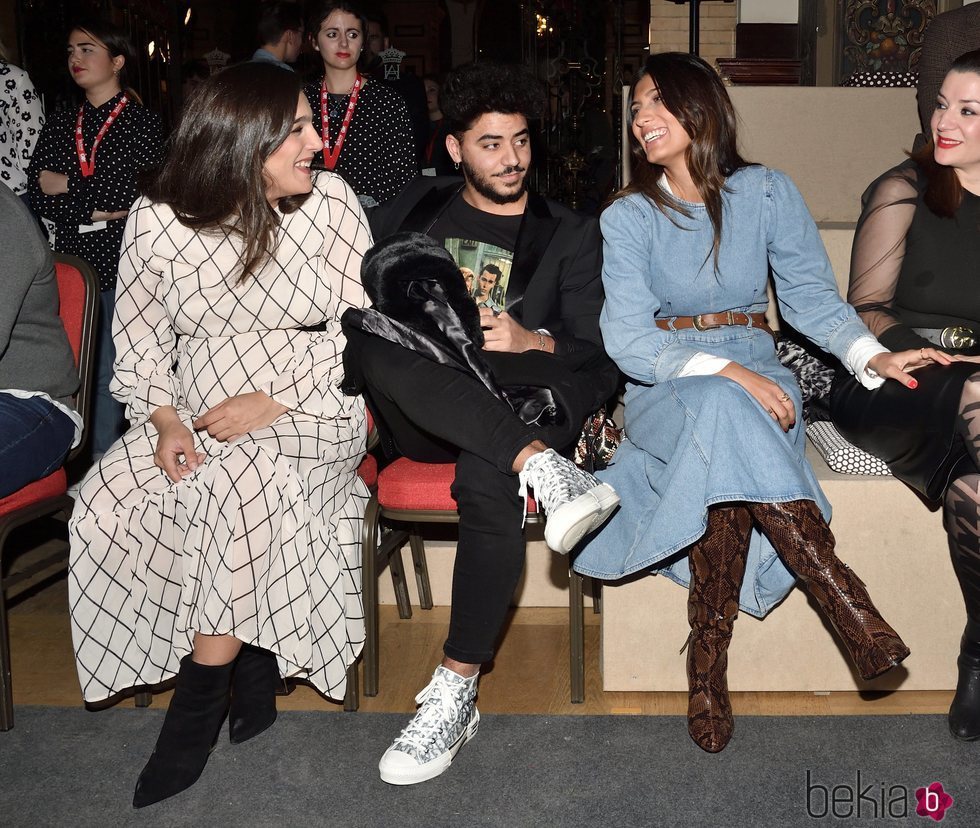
[78,292]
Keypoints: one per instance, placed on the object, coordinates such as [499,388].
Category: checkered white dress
[261,542]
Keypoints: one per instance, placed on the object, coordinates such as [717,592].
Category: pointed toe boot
[804,541]
[190,730]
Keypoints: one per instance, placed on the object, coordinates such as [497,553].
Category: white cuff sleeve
[703,365]
[857,357]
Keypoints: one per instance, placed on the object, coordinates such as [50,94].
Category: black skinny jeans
[437,414]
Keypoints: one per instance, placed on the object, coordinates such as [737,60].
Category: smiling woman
[217,540]
[715,490]
[287,170]
[914,282]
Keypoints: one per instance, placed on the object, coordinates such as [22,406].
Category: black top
[462,220]
[378,155]
[133,143]
[911,268]
[476,238]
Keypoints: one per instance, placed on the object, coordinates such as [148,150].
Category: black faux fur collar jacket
[420,302]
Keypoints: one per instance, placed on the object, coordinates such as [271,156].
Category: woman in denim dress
[712,476]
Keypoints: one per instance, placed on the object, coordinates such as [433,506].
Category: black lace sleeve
[879,251]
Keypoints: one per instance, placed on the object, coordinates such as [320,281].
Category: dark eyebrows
[960,101]
[488,137]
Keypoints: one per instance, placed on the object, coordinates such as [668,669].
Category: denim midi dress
[695,441]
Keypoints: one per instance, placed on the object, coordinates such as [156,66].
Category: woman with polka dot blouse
[86,184]
[367,137]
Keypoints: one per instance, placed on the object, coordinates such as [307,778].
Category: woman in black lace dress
[914,280]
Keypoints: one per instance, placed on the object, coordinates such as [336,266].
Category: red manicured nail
[913,384]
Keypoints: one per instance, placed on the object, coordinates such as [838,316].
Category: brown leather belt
[710,321]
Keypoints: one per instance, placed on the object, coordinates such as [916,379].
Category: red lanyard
[330,156]
[88,164]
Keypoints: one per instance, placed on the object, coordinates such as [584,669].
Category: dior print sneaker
[574,501]
[445,721]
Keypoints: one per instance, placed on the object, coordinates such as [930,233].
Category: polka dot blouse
[378,155]
[133,143]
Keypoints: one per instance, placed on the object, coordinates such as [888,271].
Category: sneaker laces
[440,705]
[554,479]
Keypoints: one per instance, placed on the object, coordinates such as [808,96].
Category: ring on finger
[784,397]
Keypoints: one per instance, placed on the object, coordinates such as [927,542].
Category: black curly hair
[478,88]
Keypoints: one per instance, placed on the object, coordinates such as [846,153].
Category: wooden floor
[530,674]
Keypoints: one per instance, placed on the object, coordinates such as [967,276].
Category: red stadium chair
[79,292]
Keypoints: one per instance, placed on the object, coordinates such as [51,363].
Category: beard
[484,185]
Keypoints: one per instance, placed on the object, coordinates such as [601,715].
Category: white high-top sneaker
[446,720]
[574,501]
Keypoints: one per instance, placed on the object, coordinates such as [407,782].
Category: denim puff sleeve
[804,280]
[641,350]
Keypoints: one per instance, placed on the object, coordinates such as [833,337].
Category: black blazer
[555,281]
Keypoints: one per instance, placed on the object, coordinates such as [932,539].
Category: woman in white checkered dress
[218,539]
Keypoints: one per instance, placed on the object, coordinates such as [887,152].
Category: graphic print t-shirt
[483,246]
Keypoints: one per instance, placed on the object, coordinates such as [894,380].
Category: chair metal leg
[143,698]
[6,688]
[576,636]
[369,594]
[351,701]
[397,567]
[596,595]
[417,545]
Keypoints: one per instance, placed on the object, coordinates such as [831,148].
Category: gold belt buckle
[957,336]
[701,325]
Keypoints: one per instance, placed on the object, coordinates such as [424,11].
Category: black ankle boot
[964,712]
[253,694]
[190,729]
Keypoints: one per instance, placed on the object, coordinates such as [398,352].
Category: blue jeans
[34,439]
[107,417]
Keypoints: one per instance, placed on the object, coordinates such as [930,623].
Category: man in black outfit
[546,335]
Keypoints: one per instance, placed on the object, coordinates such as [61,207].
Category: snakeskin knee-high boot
[717,562]
[804,541]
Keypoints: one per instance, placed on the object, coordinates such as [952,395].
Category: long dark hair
[118,44]
[693,93]
[213,178]
[944,193]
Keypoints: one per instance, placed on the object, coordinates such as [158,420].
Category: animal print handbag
[598,441]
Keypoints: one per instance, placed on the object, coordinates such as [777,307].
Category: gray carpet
[65,767]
